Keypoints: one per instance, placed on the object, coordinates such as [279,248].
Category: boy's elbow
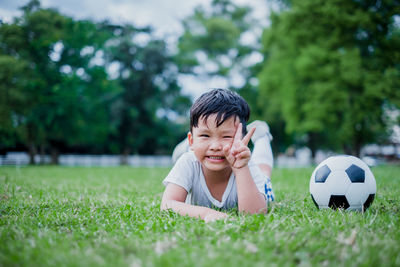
[163,205]
[260,208]
[166,204]
[263,210]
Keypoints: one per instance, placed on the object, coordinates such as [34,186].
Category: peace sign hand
[237,153]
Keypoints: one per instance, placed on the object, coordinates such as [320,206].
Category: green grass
[55,216]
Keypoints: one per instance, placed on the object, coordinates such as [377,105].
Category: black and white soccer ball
[344,182]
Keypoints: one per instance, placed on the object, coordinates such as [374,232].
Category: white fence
[21,158]
[302,158]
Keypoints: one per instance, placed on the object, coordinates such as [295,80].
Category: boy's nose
[215,145]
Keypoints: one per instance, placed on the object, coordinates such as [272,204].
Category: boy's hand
[215,215]
[237,153]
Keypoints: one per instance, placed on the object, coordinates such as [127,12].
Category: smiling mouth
[216,157]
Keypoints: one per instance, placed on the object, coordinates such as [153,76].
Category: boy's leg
[262,152]
[180,149]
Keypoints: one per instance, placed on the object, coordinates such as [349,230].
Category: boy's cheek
[195,145]
[227,143]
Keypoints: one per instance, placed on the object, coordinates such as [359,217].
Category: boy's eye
[204,135]
[228,136]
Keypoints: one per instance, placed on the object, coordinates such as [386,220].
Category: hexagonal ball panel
[338,201]
[356,174]
[337,183]
[357,194]
[322,173]
[320,192]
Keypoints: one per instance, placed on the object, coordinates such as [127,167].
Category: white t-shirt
[188,174]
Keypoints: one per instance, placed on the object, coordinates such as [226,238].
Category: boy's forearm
[189,210]
[250,200]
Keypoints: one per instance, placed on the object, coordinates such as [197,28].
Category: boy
[218,171]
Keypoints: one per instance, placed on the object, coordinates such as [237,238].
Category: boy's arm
[174,198]
[250,200]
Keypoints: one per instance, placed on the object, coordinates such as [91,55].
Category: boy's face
[207,141]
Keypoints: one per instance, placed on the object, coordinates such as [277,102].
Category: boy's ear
[190,138]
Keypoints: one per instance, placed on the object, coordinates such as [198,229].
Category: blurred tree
[84,95]
[330,69]
[221,42]
[145,110]
[58,92]
[13,81]
[28,40]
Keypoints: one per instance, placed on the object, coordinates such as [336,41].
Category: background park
[324,74]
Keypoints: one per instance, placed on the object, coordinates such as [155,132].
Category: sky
[163,16]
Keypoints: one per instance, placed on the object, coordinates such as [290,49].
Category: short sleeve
[182,173]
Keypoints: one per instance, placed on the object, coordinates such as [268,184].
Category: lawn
[57,216]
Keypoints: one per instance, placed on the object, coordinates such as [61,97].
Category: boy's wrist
[243,169]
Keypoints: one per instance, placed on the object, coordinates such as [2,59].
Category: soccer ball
[344,182]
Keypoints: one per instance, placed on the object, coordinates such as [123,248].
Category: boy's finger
[243,154]
[246,139]
[238,134]
[239,150]
[227,151]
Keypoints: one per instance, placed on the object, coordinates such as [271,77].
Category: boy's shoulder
[185,171]
[187,159]
[189,155]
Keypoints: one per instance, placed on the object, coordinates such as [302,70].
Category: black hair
[225,103]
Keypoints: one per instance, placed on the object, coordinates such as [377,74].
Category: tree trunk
[125,155]
[42,154]
[357,149]
[354,149]
[32,153]
[347,149]
[312,141]
[54,156]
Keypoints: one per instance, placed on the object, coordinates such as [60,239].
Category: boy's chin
[211,166]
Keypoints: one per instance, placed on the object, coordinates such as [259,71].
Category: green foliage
[110,216]
[12,97]
[214,43]
[150,94]
[56,93]
[331,68]
[56,89]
